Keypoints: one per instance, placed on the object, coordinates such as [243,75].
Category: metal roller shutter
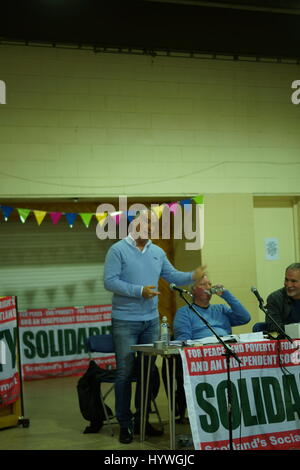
[50,265]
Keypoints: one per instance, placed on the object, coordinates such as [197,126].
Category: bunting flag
[86,217]
[55,216]
[71,218]
[131,215]
[116,216]
[23,214]
[158,210]
[39,215]
[173,206]
[186,202]
[6,212]
[101,218]
[198,199]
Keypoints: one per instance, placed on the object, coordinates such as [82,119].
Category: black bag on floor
[88,390]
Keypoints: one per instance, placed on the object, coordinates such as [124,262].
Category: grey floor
[57,424]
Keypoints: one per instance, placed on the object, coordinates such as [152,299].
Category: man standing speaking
[133,267]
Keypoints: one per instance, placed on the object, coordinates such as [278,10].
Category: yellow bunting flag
[158,210]
[39,215]
[101,217]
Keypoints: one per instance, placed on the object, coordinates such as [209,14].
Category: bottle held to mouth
[215,290]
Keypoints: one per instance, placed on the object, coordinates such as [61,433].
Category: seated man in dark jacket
[284,303]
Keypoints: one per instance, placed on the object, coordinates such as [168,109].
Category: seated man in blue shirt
[187,325]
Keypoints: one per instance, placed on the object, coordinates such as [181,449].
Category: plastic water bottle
[164,330]
[215,289]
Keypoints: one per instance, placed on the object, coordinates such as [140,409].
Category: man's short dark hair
[293,267]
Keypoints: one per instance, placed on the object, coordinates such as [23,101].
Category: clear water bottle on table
[164,331]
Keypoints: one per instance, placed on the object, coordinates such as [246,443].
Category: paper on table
[248,337]
[212,340]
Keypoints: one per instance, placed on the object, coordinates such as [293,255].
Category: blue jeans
[125,334]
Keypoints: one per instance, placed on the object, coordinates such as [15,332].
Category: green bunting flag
[86,218]
[198,199]
[23,213]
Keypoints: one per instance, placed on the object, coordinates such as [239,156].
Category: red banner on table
[265,393]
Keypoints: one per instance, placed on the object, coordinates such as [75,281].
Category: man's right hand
[148,293]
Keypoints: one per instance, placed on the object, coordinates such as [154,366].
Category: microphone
[183,291]
[256,293]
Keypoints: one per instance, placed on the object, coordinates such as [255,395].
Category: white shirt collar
[129,239]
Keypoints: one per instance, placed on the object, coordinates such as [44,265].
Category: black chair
[105,344]
[259,326]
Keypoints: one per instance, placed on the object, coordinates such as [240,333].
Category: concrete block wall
[80,123]
[229,251]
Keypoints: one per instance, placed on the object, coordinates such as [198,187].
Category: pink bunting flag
[173,206]
[116,216]
[55,216]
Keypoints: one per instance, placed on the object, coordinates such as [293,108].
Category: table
[151,350]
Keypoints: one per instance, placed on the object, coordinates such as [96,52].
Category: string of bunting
[86,217]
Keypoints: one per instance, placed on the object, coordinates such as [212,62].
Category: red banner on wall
[9,374]
[53,341]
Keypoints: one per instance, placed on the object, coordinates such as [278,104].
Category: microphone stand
[281,330]
[228,353]
[269,316]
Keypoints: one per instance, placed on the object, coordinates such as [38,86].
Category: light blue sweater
[187,325]
[127,270]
